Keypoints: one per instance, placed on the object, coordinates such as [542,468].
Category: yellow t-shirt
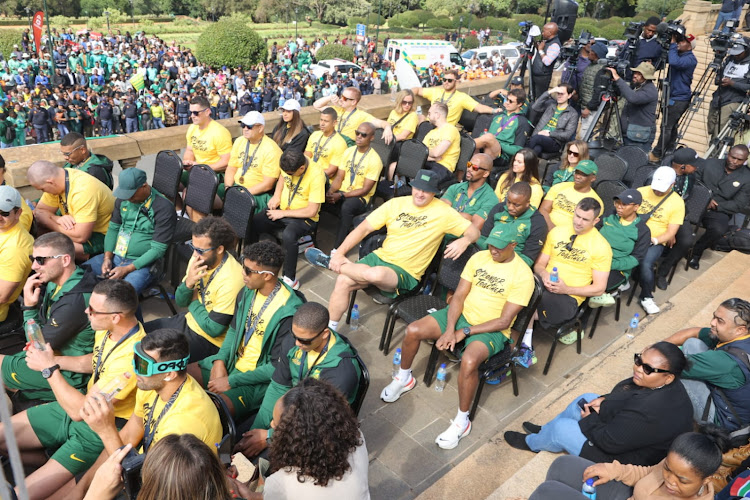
[350,120]
[590,252]
[671,211]
[192,412]
[564,200]
[249,358]
[220,296]
[365,165]
[115,361]
[415,233]
[265,161]
[89,200]
[409,123]
[537,193]
[311,188]
[456,101]
[450,133]
[210,143]
[27,216]
[327,150]
[493,284]
[15,247]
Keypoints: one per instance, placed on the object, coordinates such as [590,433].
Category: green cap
[588,167]
[130,180]
[501,238]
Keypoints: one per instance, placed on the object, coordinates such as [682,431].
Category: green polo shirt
[718,368]
[480,203]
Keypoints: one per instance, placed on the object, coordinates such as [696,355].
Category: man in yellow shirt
[355,181]
[443,142]
[325,146]
[415,225]
[558,207]
[350,116]
[294,208]
[254,162]
[495,285]
[59,425]
[455,100]
[664,212]
[84,203]
[16,244]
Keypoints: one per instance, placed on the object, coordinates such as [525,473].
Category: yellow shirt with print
[409,123]
[210,143]
[89,200]
[450,133]
[589,252]
[366,165]
[220,296]
[564,200]
[537,193]
[415,233]
[27,216]
[456,101]
[16,245]
[192,412]
[265,161]
[672,211]
[311,188]
[248,361]
[493,284]
[113,364]
[350,120]
[327,150]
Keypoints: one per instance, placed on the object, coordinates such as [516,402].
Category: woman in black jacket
[291,133]
[634,424]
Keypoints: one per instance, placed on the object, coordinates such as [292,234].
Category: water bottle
[111,388]
[589,490]
[440,383]
[553,276]
[419,110]
[354,320]
[34,334]
[396,362]
[632,326]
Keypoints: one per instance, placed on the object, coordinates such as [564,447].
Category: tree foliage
[660,5]
[335,51]
[230,42]
[7,39]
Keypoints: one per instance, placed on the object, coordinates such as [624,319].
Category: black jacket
[738,73]
[537,232]
[730,191]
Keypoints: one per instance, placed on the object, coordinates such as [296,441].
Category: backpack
[735,239]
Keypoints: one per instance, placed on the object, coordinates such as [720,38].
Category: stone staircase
[696,136]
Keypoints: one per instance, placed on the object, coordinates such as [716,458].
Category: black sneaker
[516,440]
[661,282]
[531,428]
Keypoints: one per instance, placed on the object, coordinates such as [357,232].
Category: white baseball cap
[253,118]
[663,179]
[291,105]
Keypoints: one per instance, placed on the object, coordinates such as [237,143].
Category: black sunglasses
[247,126]
[569,246]
[199,251]
[362,134]
[310,340]
[647,369]
[249,271]
[196,113]
[449,79]
[42,259]
[574,153]
[3,213]
[407,102]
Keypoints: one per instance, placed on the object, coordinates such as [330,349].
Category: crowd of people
[77,262]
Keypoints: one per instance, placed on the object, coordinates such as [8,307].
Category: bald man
[548,50]
[473,198]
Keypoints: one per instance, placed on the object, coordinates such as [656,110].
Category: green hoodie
[97,165]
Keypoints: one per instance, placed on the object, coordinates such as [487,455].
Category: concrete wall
[699,16]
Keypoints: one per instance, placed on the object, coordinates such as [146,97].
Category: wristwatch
[467,331]
[47,372]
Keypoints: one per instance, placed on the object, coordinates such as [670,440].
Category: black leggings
[348,209]
[544,144]
[293,230]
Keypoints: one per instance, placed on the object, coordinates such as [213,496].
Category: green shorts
[261,202]
[406,282]
[18,376]
[95,245]
[77,445]
[495,341]
[246,399]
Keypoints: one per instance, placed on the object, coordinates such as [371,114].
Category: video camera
[619,64]
[671,29]
[570,52]
[722,41]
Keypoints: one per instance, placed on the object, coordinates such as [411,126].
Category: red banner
[38,25]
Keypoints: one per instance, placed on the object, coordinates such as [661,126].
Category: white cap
[291,105]
[253,118]
[663,179]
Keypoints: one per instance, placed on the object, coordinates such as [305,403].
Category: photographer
[589,94]
[733,87]
[548,50]
[682,63]
[638,118]
[648,47]
[573,73]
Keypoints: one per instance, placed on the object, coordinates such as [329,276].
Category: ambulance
[423,53]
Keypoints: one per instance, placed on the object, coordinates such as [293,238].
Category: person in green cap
[560,202]
[495,285]
[139,232]
[77,155]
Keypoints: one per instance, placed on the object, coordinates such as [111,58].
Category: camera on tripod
[722,41]
[570,52]
[665,32]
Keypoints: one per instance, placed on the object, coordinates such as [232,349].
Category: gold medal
[242,179]
[241,350]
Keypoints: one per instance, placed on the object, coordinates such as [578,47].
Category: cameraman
[638,120]
[682,63]
[574,76]
[648,47]
[733,87]
[588,93]
[548,50]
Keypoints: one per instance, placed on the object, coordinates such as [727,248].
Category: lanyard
[249,331]
[99,361]
[293,193]
[67,192]
[463,198]
[354,170]
[303,362]
[247,163]
[319,149]
[203,287]
[150,426]
[504,123]
[342,123]
[147,205]
[444,100]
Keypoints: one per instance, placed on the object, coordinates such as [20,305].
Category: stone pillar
[699,16]
[129,162]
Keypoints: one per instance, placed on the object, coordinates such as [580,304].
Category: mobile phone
[582,402]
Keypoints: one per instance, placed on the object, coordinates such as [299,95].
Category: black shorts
[555,309]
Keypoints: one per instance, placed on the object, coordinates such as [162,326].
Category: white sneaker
[624,287]
[293,284]
[450,438]
[396,388]
[650,306]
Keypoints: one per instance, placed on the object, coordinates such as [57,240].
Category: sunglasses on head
[647,369]
[574,153]
[199,251]
[310,340]
[196,113]
[249,271]
[42,259]
[362,134]
[474,166]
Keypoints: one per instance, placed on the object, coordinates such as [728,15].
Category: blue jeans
[182,119]
[106,127]
[131,125]
[158,123]
[225,116]
[140,278]
[562,433]
[722,19]
[42,135]
[647,270]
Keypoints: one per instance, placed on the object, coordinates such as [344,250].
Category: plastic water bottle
[34,334]
[396,362]
[111,388]
[440,383]
[589,490]
[354,321]
[419,110]
[554,277]
[632,326]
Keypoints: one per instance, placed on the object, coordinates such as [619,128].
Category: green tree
[529,6]
[444,7]
[230,42]
[7,39]
[335,51]
[664,6]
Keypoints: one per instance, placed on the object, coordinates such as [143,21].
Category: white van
[509,52]
[423,53]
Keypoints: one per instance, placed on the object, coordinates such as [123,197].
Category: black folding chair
[364,378]
[167,172]
[423,129]
[607,190]
[695,208]
[239,206]
[617,295]
[611,168]
[481,125]
[228,429]
[384,150]
[412,159]
[467,120]
[578,323]
[642,176]
[468,147]
[634,157]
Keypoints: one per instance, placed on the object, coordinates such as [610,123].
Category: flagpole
[49,33]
